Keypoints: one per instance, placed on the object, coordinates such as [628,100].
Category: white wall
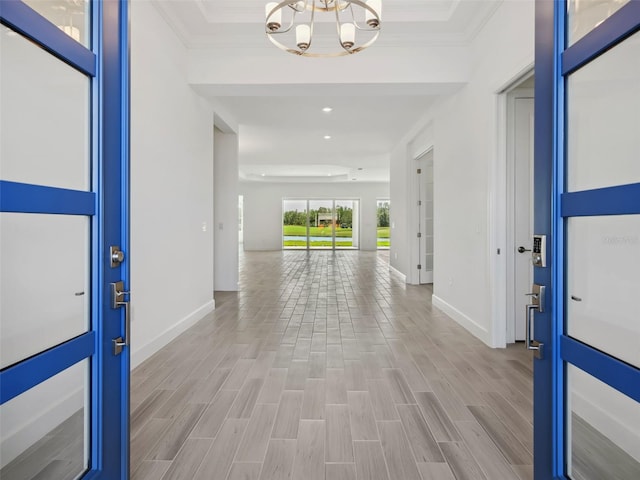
[240,68]
[464,136]
[226,211]
[263,209]
[171,188]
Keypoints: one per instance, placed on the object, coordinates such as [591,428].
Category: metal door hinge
[419,171]
[419,202]
[419,235]
[419,267]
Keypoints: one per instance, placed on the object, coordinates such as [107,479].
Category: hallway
[328,366]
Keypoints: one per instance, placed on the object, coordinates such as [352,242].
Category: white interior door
[523,213]
[425,217]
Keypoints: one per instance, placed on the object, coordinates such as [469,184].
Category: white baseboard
[142,353]
[397,272]
[38,423]
[462,319]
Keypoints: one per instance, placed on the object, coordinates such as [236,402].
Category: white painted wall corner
[145,351]
[398,273]
[464,320]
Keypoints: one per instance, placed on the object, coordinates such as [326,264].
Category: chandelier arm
[281,8]
[313,5]
[311,24]
[338,27]
[355,22]
[286,30]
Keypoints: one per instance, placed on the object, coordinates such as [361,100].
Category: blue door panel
[620,25]
[552,207]
[544,147]
[619,200]
[21,18]
[19,378]
[620,375]
[26,198]
[107,206]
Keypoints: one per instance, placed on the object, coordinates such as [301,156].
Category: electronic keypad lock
[539,251]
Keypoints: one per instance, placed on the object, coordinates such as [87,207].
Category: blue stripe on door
[613,30]
[26,198]
[27,374]
[619,200]
[23,19]
[613,372]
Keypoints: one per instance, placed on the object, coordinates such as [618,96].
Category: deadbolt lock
[116,256]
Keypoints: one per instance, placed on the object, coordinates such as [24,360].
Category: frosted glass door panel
[44,282]
[44,139]
[603,284]
[72,17]
[585,15]
[603,102]
[603,430]
[45,431]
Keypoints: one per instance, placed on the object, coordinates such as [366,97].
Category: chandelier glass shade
[291,25]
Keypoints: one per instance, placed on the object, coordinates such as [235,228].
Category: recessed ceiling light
[328,174]
[262,174]
[327,109]
[327,137]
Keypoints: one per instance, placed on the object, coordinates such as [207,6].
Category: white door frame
[509,251]
[498,221]
[413,276]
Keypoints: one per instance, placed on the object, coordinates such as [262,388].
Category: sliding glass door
[322,220]
[383,225]
[346,231]
[295,228]
[320,224]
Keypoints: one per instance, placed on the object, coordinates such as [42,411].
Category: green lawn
[324,243]
[298,230]
[316,231]
[384,232]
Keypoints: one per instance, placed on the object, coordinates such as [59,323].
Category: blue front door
[587,193]
[64,378]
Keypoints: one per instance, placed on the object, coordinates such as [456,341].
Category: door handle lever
[532,344]
[117,301]
[522,249]
[537,303]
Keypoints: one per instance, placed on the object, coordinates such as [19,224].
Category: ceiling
[282,128]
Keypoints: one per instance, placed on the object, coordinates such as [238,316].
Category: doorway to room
[519,205]
[424,180]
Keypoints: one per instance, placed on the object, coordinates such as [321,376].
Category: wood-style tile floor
[326,366]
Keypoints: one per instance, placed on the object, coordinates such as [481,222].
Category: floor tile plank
[288,416]
[256,437]
[278,464]
[370,460]
[338,445]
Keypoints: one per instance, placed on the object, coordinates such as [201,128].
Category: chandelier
[357,25]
